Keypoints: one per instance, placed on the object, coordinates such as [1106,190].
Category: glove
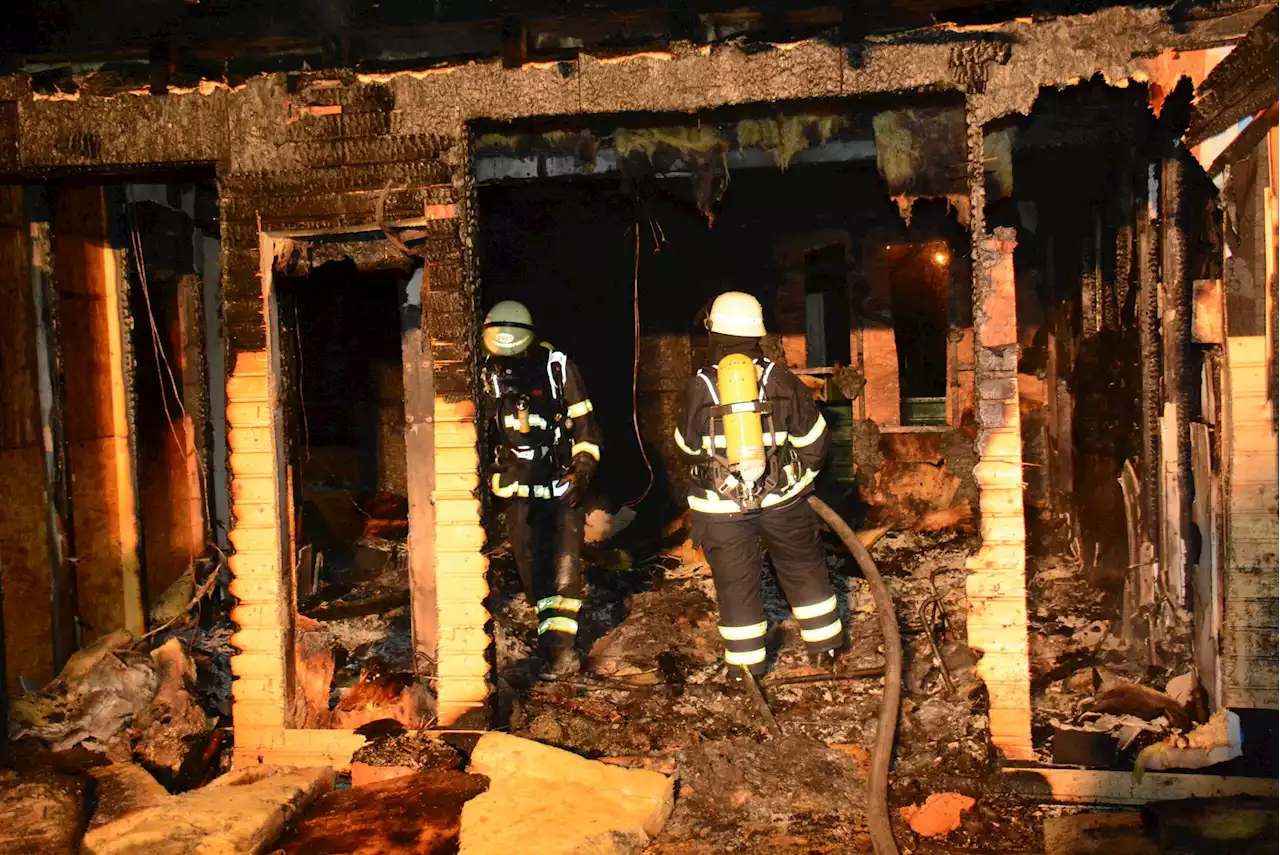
[578,478]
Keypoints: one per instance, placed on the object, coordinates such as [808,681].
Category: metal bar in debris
[753,689]
[856,674]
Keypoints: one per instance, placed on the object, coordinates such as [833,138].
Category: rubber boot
[829,661]
[560,660]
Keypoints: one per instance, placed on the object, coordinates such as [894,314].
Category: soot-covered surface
[655,693]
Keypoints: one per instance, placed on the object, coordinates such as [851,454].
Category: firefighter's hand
[581,470]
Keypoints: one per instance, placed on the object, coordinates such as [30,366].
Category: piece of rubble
[117,702]
[241,813]
[1182,688]
[41,816]
[1110,833]
[364,775]
[659,622]
[939,815]
[92,701]
[379,696]
[1216,741]
[1141,701]
[1091,635]
[602,525]
[167,724]
[124,788]
[173,602]
[411,751]
[417,813]
[542,800]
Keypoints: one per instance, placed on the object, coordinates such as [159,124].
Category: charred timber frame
[318,153]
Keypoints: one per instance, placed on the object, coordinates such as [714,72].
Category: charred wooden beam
[1241,85]
[1178,368]
[1244,144]
[420,448]
[1148,312]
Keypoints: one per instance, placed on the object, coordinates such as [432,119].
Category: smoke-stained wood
[26,567]
[103,487]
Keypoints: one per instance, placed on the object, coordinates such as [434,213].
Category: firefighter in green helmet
[546,452]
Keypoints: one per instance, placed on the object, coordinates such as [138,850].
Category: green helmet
[508,329]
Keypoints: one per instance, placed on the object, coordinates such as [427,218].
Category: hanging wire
[635,370]
[200,589]
[157,344]
[302,401]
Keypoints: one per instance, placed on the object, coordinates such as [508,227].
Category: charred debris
[1024,258]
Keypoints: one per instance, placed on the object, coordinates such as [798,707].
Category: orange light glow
[940,258]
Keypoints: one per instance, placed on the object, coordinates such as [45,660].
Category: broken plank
[1080,786]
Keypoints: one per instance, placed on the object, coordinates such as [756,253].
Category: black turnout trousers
[546,540]
[732,548]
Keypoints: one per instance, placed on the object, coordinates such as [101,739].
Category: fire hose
[886,726]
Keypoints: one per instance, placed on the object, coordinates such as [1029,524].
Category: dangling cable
[635,372]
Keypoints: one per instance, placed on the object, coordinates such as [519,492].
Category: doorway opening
[343,416]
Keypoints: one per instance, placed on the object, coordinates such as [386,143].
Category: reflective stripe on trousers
[558,614]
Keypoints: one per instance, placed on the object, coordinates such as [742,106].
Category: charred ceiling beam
[1241,85]
[1247,141]
[199,124]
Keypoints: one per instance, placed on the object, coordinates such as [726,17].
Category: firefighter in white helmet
[756,440]
[545,456]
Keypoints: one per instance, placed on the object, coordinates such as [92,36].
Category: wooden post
[41,617]
[57,468]
[92,317]
[420,469]
[195,399]
[997,586]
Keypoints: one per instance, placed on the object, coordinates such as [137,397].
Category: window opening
[826,307]
[919,280]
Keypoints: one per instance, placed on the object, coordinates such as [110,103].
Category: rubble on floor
[788,795]
[354,640]
[656,694]
[1099,700]
[116,703]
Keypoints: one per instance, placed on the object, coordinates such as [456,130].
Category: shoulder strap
[556,370]
[764,378]
[711,387]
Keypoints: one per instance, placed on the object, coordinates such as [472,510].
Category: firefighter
[546,452]
[755,440]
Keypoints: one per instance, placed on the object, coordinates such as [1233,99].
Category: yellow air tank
[743,431]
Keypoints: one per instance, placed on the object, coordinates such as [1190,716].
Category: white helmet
[736,313]
[508,329]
